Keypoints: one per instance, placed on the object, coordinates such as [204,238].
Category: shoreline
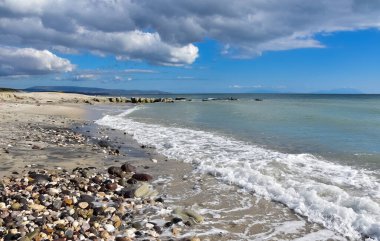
[230,212]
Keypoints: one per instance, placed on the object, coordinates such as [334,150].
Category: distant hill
[8,90]
[93,91]
[339,91]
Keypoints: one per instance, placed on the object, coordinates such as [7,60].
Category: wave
[341,198]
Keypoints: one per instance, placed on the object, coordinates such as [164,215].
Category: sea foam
[341,198]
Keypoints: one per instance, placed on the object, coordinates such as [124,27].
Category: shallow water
[318,155]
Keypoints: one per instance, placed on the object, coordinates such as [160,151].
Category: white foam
[341,198]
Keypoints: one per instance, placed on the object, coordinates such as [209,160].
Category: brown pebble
[128,168]
[111,186]
[142,177]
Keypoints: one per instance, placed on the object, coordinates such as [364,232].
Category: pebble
[82,205]
[128,168]
[142,177]
[109,227]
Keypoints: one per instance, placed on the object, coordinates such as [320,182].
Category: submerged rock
[142,177]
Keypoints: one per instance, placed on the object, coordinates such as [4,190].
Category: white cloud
[28,61]
[165,31]
[246,87]
[143,71]
[85,77]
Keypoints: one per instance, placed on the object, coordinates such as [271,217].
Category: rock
[30,236]
[53,191]
[137,225]
[35,147]
[111,186]
[154,160]
[142,177]
[142,191]
[176,220]
[86,198]
[122,239]
[39,178]
[126,193]
[195,239]
[131,181]
[194,215]
[109,227]
[37,207]
[105,235]
[85,226]
[103,143]
[68,201]
[176,231]
[57,204]
[83,205]
[97,179]
[16,206]
[3,205]
[69,233]
[117,171]
[128,168]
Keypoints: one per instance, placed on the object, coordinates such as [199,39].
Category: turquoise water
[319,155]
[345,128]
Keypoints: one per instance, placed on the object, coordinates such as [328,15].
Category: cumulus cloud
[165,32]
[28,61]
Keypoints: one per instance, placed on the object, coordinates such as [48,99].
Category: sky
[192,46]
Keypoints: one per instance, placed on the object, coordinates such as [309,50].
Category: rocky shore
[64,179]
[85,204]
[55,97]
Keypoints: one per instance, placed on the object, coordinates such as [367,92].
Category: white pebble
[109,227]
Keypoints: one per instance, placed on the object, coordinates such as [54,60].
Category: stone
[69,233]
[142,191]
[109,227]
[105,235]
[3,205]
[57,204]
[128,168]
[83,205]
[122,239]
[86,198]
[194,215]
[68,201]
[111,186]
[117,171]
[53,191]
[37,207]
[142,177]
[39,178]
[131,181]
[85,226]
[137,225]
[176,231]
[16,206]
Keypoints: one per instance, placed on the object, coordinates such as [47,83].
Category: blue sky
[337,53]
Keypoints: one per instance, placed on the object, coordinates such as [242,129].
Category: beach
[56,132]
[48,142]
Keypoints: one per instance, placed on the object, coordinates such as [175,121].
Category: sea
[318,155]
